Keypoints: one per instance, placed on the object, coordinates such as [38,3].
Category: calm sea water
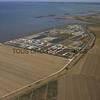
[20,18]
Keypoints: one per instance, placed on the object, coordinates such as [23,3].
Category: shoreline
[80,19]
[44,30]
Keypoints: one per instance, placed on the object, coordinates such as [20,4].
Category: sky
[58,0]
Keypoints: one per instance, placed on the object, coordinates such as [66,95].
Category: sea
[18,19]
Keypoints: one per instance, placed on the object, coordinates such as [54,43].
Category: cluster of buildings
[51,42]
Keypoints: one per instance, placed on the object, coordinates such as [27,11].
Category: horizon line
[55,1]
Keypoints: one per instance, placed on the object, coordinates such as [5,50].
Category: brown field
[19,70]
[82,82]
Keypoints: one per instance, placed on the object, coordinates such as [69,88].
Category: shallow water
[20,18]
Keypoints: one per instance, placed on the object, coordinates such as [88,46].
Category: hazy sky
[58,0]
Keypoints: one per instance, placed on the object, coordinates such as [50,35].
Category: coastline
[79,20]
[44,30]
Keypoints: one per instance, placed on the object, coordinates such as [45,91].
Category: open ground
[19,70]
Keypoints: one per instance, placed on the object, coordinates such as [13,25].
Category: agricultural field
[19,70]
[82,82]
